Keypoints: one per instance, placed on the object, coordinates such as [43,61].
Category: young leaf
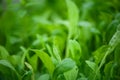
[64,66]
[54,60]
[28,74]
[93,75]
[56,53]
[45,58]
[3,53]
[49,50]
[73,15]
[99,53]
[74,50]
[72,74]
[92,65]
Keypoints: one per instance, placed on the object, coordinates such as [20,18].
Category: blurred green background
[22,20]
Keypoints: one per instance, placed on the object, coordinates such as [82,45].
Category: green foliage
[59,40]
[73,16]
[8,72]
[64,66]
[72,74]
[3,53]
[46,60]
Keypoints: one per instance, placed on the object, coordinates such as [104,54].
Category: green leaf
[73,15]
[72,74]
[64,66]
[56,53]
[44,77]
[117,54]
[49,50]
[95,73]
[45,58]
[74,50]
[54,60]
[92,65]
[7,71]
[108,70]
[82,77]
[33,60]
[3,53]
[115,40]
[28,75]
[99,53]
[15,60]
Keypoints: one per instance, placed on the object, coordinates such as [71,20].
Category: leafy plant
[59,40]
